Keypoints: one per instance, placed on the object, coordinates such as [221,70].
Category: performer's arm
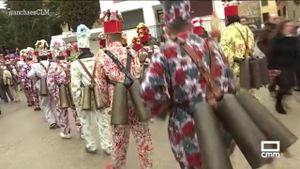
[32,74]
[154,87]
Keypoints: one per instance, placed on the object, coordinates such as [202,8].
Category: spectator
[282,60]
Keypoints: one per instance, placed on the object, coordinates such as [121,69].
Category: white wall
[149,14]
[148,11]
[147,6]
[218,8]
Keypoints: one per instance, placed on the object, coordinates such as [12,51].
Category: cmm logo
[270,149]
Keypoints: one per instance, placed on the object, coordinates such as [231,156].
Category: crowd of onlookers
[9,85]
[279,41]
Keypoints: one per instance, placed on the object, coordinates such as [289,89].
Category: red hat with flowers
[143,32]
[112,22]
[176,10]
[41,47]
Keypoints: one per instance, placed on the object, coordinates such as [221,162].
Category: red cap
[231,10]
[199,30]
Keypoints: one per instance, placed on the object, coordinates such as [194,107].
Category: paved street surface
[27,143]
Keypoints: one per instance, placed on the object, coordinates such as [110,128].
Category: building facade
[268,7]
[150,13]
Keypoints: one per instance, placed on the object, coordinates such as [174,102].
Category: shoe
[65,136]
[280,109]
[107,152]
[53,126]
[82,136]
[90,150]
[272,88]
[289,93]
[297,88]
[37,109]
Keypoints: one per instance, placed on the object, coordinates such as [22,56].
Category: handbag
[99,98]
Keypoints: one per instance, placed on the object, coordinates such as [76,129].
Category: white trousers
[48,107]
[103,128]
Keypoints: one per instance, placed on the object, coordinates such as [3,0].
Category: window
[264,2]
[132,18]
[279,13]
[201,8]
[284,11]
[265,17]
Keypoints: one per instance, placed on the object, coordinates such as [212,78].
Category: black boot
[278,106]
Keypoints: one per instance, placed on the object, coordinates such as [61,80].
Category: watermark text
[37,12]
[270,149]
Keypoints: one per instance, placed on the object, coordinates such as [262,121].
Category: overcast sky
[1,4]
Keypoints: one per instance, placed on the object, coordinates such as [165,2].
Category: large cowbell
[211,142]
[244,131]
[268,124]
[138,104]
[86,98]
[100,101]
[43,87]
[119,112]
[63,97]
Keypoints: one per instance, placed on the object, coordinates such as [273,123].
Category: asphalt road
[27,143]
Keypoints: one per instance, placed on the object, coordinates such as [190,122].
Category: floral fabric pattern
[59,73]
[173,75]
[28,87]
[108,70]
[79,79]
[233,44]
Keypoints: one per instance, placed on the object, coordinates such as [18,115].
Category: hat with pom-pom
[41,47]
[83,34]
[143,32]
[174,11]
[58,47]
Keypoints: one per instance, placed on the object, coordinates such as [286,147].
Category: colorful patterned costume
[109,70]
[173,75]
[27,86]
[234,46]
[80,79]
[59,73]
[47,105]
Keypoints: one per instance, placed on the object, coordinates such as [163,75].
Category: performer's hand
[212,102]
[238,60]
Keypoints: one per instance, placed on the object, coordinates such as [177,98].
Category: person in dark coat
[282,59]
[265,37]
[297,88]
